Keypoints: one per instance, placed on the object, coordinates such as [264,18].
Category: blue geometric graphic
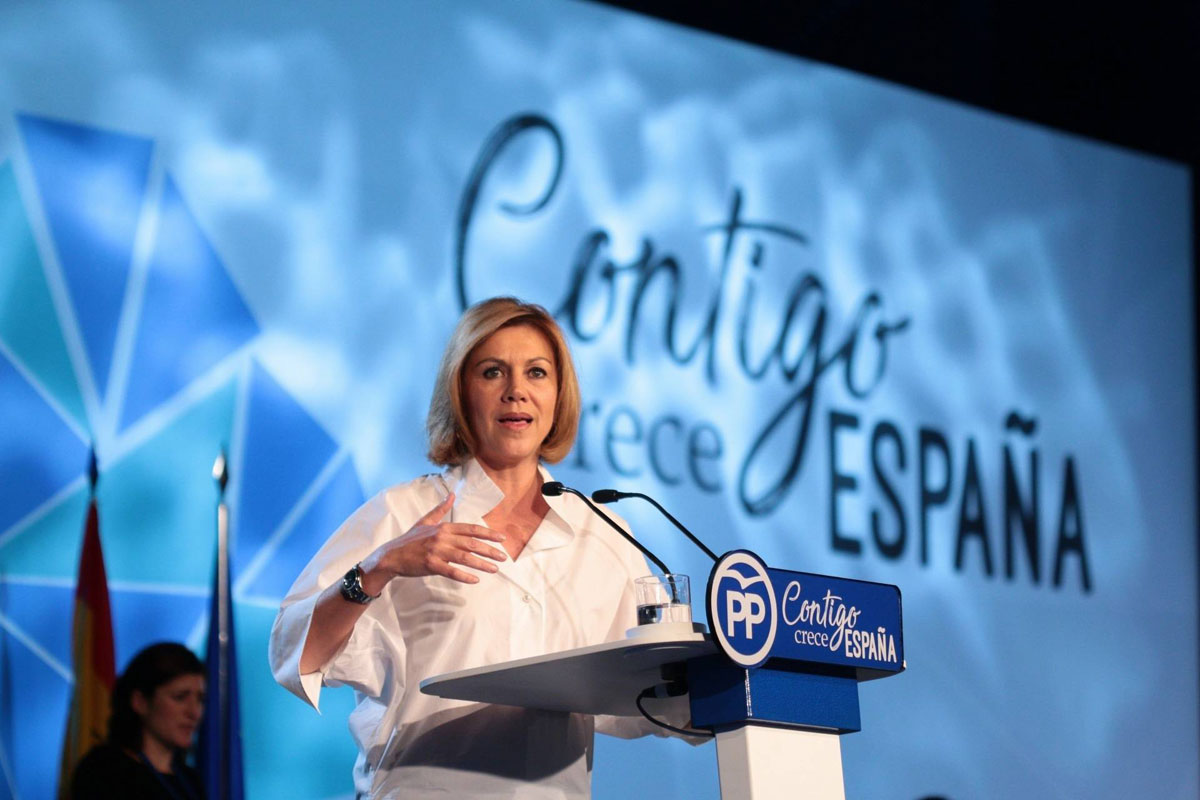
[48,546]
[337,500]
[28,325]
[39,453]
[285,449]
[148,616]
[93,186]
[192,314]
[31,606]
[39,708]
[157,498]
[271,769]
[160,500]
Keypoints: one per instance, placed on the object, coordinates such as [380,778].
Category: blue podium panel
[759,613]
[724,694]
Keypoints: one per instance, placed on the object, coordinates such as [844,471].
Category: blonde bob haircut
[451,440]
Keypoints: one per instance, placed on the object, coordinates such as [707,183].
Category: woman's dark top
[108,771]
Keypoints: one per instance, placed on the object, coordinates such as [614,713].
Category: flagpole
[221,476]
[219,751]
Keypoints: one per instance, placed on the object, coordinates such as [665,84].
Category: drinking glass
[663,598]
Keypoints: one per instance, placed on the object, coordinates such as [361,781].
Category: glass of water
[663,598]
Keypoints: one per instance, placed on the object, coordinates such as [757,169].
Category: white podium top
[600,679]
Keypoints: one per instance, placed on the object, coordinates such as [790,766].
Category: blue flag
[8,779]
[219,750]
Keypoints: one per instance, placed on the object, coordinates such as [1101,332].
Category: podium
[776,682]
[758,757]
[600,679]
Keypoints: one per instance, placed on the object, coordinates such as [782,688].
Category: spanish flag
[92,654]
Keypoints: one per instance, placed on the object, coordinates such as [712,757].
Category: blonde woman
[469,567]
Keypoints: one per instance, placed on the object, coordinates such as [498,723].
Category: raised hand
[433,547]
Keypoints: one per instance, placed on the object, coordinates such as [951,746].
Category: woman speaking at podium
[465,568]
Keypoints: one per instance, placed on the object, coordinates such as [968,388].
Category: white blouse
[570,587]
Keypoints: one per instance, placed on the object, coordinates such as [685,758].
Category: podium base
[761,762]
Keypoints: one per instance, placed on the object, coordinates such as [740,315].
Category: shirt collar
[475,494]
[569,511]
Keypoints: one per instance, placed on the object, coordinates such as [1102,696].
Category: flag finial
[93,469]
[220,472]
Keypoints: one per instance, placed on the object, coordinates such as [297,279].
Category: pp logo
[742,608]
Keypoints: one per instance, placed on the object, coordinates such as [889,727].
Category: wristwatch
[352,588]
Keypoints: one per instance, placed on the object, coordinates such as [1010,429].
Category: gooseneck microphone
[612,496]
[556,488]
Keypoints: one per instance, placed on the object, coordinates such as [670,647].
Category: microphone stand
[556,488]
[612,496]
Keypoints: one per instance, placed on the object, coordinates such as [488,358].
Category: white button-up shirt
[570,587]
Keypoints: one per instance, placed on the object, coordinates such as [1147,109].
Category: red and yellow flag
[92,654]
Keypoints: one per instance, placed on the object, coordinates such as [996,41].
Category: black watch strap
[352,588]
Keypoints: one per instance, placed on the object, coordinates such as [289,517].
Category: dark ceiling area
[1125,73]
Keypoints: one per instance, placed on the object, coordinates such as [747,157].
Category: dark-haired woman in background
[156,707]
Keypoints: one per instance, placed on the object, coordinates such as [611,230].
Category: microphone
[612,496]
[556,488]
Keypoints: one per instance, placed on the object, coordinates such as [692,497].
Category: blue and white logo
[742,608]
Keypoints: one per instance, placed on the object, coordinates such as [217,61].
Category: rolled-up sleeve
[367,659]
[287,643]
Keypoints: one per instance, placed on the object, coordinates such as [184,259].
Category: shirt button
[527,599]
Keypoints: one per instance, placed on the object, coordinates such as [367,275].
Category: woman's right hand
[433,547]
[430,547]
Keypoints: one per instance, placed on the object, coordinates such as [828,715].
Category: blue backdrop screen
[855,329]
